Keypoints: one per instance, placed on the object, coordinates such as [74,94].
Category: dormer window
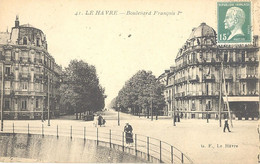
[38,42]
[24,41]
[225,57]
[243,56]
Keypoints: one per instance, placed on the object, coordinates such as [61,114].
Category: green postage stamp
[234,22]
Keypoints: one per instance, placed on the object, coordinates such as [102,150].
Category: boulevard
[199,140]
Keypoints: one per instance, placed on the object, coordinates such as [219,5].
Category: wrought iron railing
[149,148]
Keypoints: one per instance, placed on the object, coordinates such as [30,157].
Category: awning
[241,98]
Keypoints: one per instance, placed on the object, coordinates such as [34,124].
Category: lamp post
[173,111]
[118,119]
[2,97]
[174,117]
[48,100]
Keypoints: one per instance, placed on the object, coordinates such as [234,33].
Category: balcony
[213,60]
[228,77]
[209,93]
[2,57]
[193,78]
[9,76]
[253,93]
[208,107]
[247,76]
[24,76]
[38,77]
[178,95]
[191,93]
[29,93]
[209,77]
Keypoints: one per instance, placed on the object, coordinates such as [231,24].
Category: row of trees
[142,92]
[80,90]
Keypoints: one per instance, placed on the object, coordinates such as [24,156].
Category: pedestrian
[178,116]
[226,125]
[100,120]
[128,133]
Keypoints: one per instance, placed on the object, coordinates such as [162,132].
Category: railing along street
[149,148]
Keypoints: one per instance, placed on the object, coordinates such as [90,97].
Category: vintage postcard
[129,81]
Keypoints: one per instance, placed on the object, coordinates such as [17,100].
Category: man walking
[226,125]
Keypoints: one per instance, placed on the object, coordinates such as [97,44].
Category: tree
[81,88]
[139,92]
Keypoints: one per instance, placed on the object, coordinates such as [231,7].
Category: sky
[118,45]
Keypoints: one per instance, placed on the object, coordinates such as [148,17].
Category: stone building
[28,74]
[195,91]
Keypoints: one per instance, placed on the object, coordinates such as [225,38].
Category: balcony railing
[247,76]
[9,76]
[193,78]
[2,57]
[209,77]
[228,76]
[24,76]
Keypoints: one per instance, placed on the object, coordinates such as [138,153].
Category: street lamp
[2,97]
[118,108]
[173,112]
[48,99]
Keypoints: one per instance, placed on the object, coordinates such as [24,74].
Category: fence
[148,148]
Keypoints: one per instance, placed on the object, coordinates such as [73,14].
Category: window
[207,89]
[209,105]
[24,86]
[24,41]
[7,104]
[193,105]
[36,86]
[243,56]
[207,56]
[38,42]
[25,69]
[37,103]
[225,57]
[227,88]
[7,70]
[24,104]
[244,88]
[7,85]
[198,42]
[225,106]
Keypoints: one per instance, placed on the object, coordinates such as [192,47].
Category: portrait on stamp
[234,22]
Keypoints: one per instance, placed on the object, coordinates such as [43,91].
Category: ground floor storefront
[246,107]
[28,107]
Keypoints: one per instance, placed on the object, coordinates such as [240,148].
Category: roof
[202,31]
[27,25]
[4,37]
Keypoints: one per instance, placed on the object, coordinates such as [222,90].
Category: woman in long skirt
[128,133]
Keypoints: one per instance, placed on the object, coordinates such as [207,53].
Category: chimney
[17,21]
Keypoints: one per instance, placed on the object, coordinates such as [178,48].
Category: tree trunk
[147,109]
[77,117]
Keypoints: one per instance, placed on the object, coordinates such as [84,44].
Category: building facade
[29,75]
[202,67]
